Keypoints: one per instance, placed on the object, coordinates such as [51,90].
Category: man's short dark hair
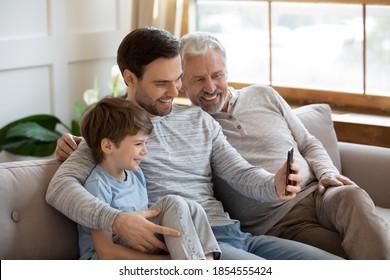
[144,45]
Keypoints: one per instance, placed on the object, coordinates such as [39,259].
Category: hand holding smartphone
[290,156]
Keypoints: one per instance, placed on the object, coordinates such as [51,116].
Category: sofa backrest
[30,228]
[317,118]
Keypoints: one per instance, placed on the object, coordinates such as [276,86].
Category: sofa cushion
[384,213]
[368,166]
[317,118]
[30,228]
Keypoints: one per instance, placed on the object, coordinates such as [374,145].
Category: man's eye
[217,76]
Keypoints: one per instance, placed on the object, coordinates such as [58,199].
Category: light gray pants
[343,221]
[196,240]
[188,217]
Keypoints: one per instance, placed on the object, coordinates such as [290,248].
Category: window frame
[343,101]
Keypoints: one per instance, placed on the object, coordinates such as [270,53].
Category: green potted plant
[31,136]
[37,135]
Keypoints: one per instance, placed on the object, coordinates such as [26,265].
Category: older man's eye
[218,76]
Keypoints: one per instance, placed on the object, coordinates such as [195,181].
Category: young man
[330,212]
[186,145]
[116,130]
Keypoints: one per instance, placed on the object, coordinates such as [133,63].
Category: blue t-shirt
[129,195]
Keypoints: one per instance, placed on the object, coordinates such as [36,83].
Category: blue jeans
[237,245]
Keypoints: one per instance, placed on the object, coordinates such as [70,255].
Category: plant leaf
[75,130]
[79,108]
[30,147]
[47,121]
[36,138]
[33,130]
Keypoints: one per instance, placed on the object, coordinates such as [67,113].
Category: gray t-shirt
[185,148]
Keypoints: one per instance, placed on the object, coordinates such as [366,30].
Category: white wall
[52,50]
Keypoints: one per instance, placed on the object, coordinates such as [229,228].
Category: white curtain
[165,14]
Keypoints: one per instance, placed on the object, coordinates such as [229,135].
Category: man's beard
[151,109]
[150,105]
[214,107]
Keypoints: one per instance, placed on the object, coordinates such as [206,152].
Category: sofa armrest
[369,167]
[30,228]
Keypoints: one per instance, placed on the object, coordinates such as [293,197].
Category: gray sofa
[31,229]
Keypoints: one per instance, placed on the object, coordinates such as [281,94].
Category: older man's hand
[329,180]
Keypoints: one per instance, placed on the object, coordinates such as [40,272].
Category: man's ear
[106,145]
[129,78]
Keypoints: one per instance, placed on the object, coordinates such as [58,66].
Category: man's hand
[139,233]
[329,180]
[66,145]
[280,182]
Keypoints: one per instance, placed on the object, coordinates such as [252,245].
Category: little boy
[116,130]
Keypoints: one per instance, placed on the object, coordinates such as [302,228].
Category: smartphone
[290,155]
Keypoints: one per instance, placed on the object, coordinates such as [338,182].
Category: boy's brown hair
[113,118]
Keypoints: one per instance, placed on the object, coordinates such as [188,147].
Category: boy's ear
[106,146]
[129,78]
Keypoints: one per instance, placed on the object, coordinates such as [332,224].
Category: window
[335,51]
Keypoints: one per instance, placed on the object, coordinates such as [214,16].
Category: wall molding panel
[54,35]
[52,50]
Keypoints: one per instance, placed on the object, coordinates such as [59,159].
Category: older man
[330,212]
